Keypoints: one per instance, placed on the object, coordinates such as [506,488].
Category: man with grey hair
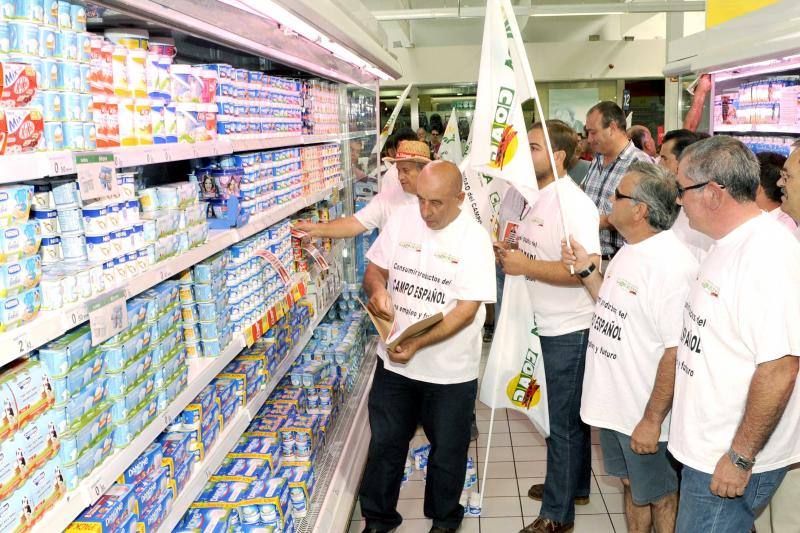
[630,359]
[735,419]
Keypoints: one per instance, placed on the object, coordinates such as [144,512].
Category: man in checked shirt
[613,153]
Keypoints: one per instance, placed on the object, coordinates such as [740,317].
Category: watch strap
[583,274]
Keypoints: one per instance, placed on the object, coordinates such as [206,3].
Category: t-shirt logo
[710,288]
[628,286]
[444,256]
[523,390]
[411,246]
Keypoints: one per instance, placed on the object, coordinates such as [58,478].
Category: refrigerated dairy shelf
[52,324]
[201,373]
[36,165]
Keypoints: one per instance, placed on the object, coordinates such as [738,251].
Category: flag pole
[389,127]
[528,78]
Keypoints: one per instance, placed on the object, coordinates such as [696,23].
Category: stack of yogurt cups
[51,36]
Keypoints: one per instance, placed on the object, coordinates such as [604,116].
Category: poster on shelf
[97,176]
[108,315]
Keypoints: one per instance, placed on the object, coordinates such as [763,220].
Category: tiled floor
[517,460]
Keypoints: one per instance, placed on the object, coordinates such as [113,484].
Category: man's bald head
[439,193]
[444,174]
[642,139]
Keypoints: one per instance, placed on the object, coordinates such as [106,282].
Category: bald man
[429,259]
[643,140]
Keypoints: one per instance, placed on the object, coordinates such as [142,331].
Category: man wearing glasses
[783,513]
[735,422]
[630,360]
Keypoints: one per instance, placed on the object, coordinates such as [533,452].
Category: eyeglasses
[619,196]
[682,190]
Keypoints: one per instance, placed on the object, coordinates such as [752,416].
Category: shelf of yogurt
[768,105]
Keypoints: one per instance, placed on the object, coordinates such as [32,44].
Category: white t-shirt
[429,270]
[638,315]
[559,310]
[698,243]
[377,212]
[784,218]
[390,180]
[743,310]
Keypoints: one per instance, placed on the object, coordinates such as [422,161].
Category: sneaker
[536,492]
[545,525]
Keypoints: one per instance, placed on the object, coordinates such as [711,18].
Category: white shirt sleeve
[374,215]
[583,221]
[768,309]
[475,280]
[382,250]
[667,308]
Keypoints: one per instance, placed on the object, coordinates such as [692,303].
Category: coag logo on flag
[523,390]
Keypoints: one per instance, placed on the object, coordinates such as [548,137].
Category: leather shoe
[437,529]
[372,530]
[545,525]
[536,492]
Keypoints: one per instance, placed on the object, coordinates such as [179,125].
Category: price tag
[276,264]
[61,164]
[108,315]
[97,175]
[167,156]
[319,259]
[100,488]
[22,344]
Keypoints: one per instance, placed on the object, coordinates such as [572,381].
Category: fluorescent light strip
[272,11]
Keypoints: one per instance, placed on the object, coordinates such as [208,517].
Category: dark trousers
[569,447]
[396,403]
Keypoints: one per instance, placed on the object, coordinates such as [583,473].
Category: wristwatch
[740,462]
[583,274]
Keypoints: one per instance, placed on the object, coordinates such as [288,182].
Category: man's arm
[380,301]
[515,263]
[340,228]
[770,390]
[577,258]
[644,438]
[460,317]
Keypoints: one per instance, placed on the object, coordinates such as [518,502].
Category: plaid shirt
[600,183]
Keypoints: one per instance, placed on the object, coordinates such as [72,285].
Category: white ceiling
[466,31]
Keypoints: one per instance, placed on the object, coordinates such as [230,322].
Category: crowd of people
[667,319]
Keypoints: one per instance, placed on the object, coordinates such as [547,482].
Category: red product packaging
[20,130]
[18,84]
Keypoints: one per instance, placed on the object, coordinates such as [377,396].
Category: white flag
[389,127]
[515,375]
[450,149]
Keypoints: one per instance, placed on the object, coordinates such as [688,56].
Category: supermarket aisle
[517,460]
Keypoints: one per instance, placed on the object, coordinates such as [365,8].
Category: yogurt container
[73,245]
[84,47]
[74,136]
[52,297]
[19,241]
[48,222]
[47,41]
[64,14]
[70,44]
[78,17]
[54,106]
[70,220]
[50,71]
[71,72]
[23,37]
[20,275]
[72,106]
[54,136]
[65,193]
[50,13]
[99,248]
[90,135]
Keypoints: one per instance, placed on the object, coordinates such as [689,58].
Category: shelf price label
[22,344]
[61,163]
[97,175]
[108,315]
[276,264]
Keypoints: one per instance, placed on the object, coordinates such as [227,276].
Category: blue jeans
[699,510]
[569,448]
[501,280]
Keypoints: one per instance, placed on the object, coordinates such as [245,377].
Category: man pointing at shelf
[429,259]
[411,156]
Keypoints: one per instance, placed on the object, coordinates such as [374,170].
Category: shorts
[651,476]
